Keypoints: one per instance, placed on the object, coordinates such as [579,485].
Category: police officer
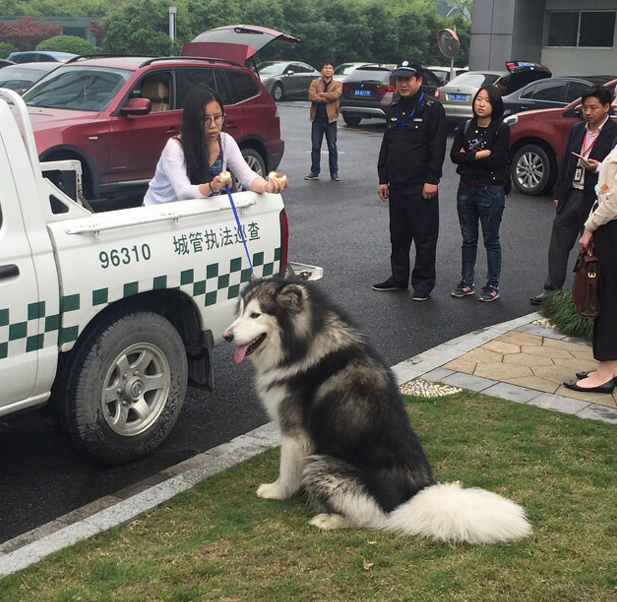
[410,161]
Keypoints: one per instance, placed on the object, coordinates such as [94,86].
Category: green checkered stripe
[27,329]
[209,284]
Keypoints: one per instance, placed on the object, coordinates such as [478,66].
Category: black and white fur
[345,434]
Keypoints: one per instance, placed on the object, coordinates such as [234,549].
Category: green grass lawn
[219,542]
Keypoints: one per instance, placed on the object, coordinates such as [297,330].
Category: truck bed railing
[175,213]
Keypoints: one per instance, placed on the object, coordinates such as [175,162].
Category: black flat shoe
[605,388]
[584,374]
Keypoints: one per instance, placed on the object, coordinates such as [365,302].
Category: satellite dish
[448,42]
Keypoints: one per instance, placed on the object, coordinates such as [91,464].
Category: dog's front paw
[272,491]
[328,522]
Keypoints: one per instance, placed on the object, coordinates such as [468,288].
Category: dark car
[369,91]
[550,93]
[537,143]
[21,77]
[287,79]
[115,114]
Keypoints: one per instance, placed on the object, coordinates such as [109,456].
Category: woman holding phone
[480,150]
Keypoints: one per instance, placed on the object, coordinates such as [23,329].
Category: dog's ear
[292,296]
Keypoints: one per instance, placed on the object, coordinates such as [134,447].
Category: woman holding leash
[191,164]
[601,231]
[480,150]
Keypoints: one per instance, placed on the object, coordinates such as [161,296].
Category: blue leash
[246,248]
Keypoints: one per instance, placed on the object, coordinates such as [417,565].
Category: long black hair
[193,136]
[494,97]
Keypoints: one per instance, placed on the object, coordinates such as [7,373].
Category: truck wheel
[125,388]
[532,169]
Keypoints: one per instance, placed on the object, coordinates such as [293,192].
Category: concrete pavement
[523,360]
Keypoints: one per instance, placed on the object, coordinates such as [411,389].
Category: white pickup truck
[108,316]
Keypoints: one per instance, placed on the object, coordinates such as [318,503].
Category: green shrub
[73,44]
[559,308]
[6,48]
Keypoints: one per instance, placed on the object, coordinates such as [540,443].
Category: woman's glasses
[217,119]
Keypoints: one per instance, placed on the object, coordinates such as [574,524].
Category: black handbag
[586,283]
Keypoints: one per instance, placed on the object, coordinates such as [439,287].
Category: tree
[6,49]
[97,29]
[50,8]
[142,27]
[207,14]
[26,33]
[72,44]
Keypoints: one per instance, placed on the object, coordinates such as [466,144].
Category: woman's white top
[606,208]
[171,182]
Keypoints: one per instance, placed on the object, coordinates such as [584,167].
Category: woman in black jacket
[480,150]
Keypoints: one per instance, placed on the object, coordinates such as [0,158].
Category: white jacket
[171,183]
[606,208]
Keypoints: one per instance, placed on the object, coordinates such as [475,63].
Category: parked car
[549,93]
[5,63]
[369,91]
[21,77]
[40,56]
[456,97]
[116,114]
[443,73]
[537,143]
[287,79]
[344,70]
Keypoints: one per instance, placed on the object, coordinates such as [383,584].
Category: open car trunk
[523,73]
[236,43]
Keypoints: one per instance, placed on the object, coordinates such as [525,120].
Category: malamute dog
[345,434]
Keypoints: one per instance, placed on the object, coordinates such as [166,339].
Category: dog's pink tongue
[240,352]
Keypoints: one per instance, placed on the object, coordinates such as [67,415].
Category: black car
[550,93]
[369,91]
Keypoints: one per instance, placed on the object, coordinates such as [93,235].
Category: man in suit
[589,143]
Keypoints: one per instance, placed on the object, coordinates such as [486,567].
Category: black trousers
[567,227]
[413,218]
[605,325]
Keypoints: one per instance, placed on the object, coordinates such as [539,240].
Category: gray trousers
[567,227]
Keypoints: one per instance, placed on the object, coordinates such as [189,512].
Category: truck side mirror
[136,106]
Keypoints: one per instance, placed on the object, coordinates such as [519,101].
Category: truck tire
[125,387]
[532,170]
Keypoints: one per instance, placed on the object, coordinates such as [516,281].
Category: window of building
[582,28]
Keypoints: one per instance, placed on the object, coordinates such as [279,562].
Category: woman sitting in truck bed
[191,164]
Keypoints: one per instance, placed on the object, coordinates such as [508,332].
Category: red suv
[537,143]
[116,114]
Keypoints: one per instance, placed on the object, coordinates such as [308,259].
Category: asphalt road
[341,226]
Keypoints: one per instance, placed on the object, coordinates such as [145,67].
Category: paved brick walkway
[532,361]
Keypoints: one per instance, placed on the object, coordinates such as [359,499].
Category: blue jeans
[486,205]
[318,129]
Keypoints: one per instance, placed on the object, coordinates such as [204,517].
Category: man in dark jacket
[588,144]
[409,166]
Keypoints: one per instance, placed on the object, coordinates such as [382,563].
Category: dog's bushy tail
[447,512]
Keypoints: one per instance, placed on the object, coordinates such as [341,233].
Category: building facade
[571,37]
